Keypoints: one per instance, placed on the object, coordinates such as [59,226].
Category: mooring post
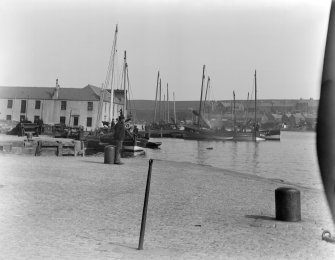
[145,207]
[288,204]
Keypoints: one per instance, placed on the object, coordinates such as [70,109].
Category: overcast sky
[72,40]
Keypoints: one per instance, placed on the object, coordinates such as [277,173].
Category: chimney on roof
[56,91]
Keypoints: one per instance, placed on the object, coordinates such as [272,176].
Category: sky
[282,40]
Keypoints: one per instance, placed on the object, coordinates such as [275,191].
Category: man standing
[119,137]
[112,123]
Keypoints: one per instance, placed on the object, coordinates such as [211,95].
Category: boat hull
[273,135]
[195,133]
[247,137]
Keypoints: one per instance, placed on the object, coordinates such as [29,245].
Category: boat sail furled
[244,135]
[203,129]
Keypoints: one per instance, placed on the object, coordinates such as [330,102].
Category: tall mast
[202,86]
[208,80]
[128,105]
[234,113]
[255,104]
[160,100]
[247,115]
[156,97]
[109,76]
[124,110]
[111,111]
[167,99]
[174,109]
[164,109]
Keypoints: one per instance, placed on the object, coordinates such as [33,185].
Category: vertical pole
[164,109]
[160,100]
[255,107]
[145,207]
[202,87]
[247,115]
[156,97]
[234,114]
[124,110]
[111,108]
[208,80]
[174,109]
[168,107]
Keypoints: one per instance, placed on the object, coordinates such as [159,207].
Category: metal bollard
[109,154]
[288,204]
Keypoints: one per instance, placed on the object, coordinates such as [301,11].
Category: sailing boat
[119,106]
[131,143]
[203,130]
[252,135]
[163,126]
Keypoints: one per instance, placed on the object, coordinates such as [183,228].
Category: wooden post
[60,149]
[145,207]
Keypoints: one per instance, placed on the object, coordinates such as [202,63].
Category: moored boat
[270,134]
[202,133]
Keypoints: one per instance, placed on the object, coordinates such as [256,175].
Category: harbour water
[292,159]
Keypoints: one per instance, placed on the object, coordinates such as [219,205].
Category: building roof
[88,93]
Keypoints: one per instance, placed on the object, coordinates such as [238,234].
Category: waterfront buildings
[71,106]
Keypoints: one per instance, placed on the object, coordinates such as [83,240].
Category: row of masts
[163,115]
[121,107]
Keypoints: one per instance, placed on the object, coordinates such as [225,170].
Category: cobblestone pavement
[81,208]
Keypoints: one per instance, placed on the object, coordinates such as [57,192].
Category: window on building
[38,104]
[63,105]
[36,119]
[23,106]
[10,103]
[89,122]
[8,117]
[75,120]
[22,118]
[62,119]
[90,106]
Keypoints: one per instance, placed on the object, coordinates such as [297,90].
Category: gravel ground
[81,208]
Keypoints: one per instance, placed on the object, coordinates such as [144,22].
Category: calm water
[292,159]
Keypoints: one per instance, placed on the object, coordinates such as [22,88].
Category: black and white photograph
[167,129]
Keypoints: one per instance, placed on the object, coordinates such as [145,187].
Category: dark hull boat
[200,133]
[248,136]
[131,144]
[271,134]
[203,130]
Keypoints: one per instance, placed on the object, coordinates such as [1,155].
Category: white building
[72,106]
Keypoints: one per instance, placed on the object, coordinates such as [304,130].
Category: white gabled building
[72,106]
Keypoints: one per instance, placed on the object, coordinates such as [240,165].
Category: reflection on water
[292,159]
